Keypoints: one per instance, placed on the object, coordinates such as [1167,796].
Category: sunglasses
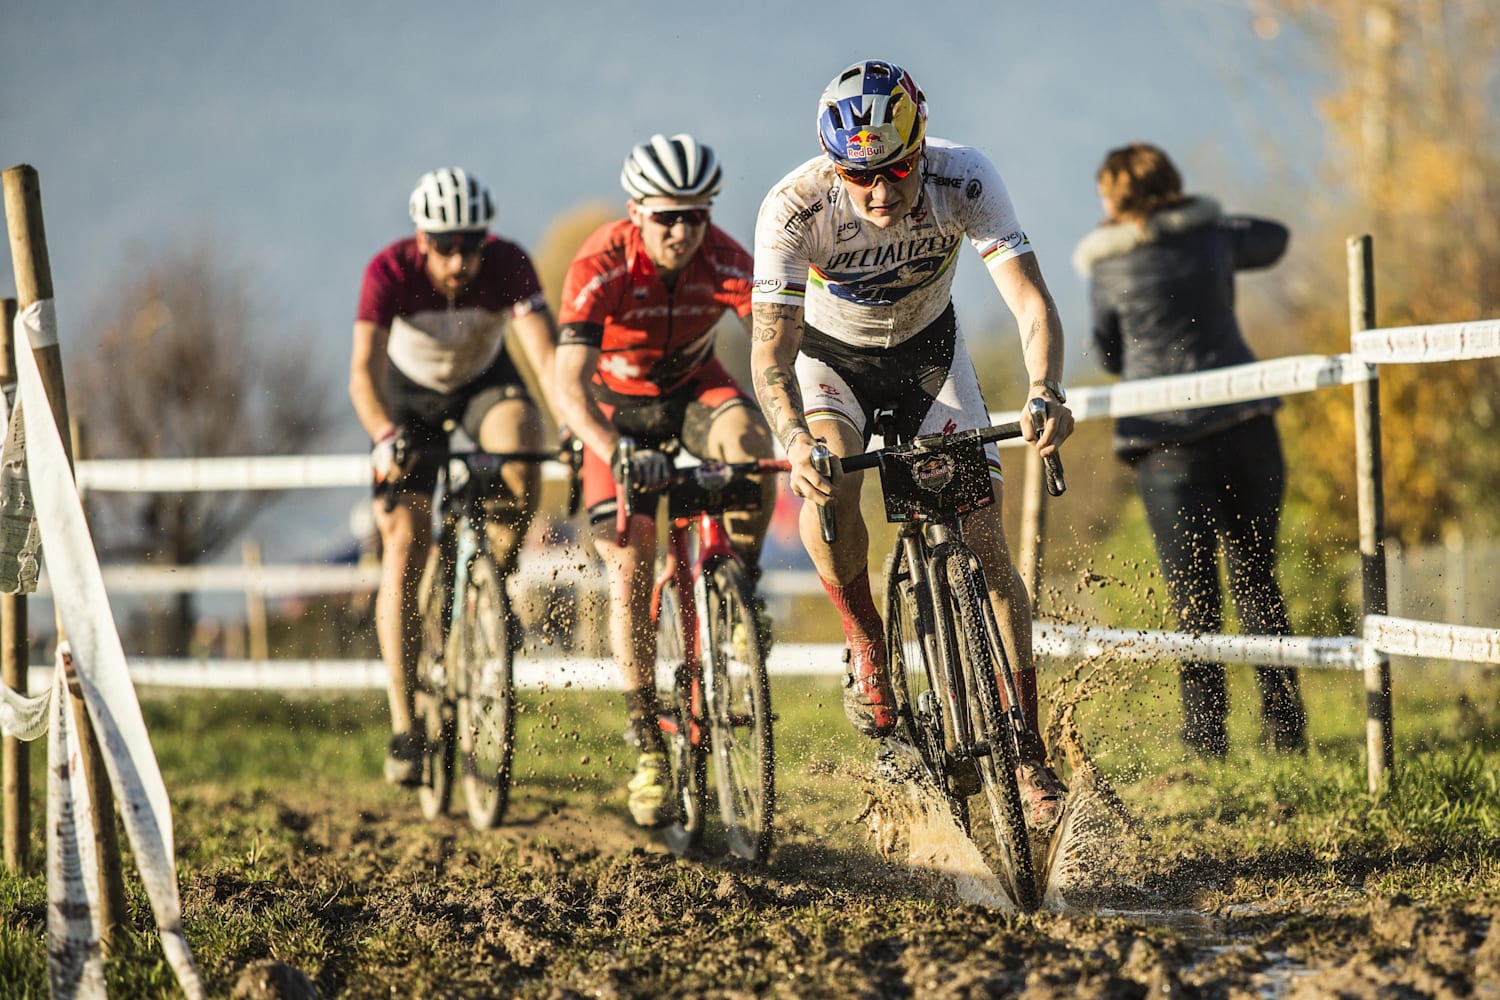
[669,217]
[448,244]
[898,171]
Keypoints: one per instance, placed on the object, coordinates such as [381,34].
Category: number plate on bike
[926,485]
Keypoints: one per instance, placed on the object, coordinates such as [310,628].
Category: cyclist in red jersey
[640,306]
[429,347]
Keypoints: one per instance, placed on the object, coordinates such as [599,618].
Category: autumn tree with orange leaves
[1413,159]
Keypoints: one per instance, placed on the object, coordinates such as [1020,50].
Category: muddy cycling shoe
[403,759]
[1042,794]
[649,803]
[868,700]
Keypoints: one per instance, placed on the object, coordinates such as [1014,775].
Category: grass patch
[290,847]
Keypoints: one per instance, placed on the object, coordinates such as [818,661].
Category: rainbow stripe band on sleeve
[1000,249]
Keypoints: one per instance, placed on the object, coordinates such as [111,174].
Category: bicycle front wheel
[992,727]
[434,699]
[486,702]
[919,701]
[676,685]
[739,711]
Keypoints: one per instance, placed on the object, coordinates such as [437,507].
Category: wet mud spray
[911,823]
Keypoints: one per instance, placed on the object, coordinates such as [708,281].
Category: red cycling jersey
[651,338]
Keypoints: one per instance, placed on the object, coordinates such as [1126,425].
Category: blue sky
[293,131]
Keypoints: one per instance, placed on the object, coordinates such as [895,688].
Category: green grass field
[244,770]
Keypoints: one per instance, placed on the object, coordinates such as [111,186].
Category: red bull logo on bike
[865,145]
[932,472]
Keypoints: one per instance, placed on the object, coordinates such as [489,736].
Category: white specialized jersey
[871,287]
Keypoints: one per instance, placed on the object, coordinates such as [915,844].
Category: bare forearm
[773,360]
[366,371]
[1042,341]
[576,406]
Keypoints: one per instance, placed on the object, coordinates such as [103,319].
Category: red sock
[856,607]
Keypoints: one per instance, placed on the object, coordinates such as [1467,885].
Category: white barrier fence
[1278,377]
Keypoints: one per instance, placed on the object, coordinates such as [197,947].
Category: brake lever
[824,460]
[570,451]
[624,507]
[400,452]
[1051,464]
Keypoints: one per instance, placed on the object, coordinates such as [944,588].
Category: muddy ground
[572,901]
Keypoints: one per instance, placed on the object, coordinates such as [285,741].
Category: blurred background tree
[1412,158]
[182,368]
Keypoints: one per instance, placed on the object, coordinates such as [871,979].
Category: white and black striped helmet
[449,200]
[679,167]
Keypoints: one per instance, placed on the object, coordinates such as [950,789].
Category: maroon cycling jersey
[437,342]
[651,338]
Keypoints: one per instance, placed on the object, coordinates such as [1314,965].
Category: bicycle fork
[677,571]
[1009,689]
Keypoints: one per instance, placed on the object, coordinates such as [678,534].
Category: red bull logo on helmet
[865,145]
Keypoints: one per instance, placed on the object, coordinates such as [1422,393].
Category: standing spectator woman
[1161,270]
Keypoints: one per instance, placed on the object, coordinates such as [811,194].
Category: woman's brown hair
[1139,180]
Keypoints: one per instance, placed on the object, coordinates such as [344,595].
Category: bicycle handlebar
[481,460]
[1051,464]
[1037,411]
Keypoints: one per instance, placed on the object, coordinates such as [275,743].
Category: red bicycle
[710,665]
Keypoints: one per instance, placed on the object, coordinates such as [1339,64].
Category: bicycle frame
[685,567]
[930,536]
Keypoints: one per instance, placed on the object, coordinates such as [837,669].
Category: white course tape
[1076,642]
[75,963]
[1407,637]
[255,472]
[1440,342]
[22,717]
[39,322]
[83,609]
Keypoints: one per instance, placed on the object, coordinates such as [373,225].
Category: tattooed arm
[776,335]
[774,339]
[1025,291]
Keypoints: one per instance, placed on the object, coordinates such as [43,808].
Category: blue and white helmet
[451,200]
[871,114]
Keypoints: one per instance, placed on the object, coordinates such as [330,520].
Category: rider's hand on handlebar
[806,480]
[1058,429]
[649,468]
[389,453]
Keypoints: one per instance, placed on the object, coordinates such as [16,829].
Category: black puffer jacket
[1163,304]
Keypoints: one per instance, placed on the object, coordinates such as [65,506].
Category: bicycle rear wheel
[997,768]
[674,692]
[486,701]
[434,697]
[739,712]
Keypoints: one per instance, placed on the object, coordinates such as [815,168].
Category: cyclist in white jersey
[855,252]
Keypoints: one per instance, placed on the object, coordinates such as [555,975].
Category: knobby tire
[918,700]
[486,704]
[435,715]
[997,769]
[739,712]
[687,762]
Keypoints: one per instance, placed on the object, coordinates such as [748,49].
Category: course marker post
[15,754]
[33,275]
[1379,733]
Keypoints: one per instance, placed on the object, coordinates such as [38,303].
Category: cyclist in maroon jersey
[640,307]
[429,347]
